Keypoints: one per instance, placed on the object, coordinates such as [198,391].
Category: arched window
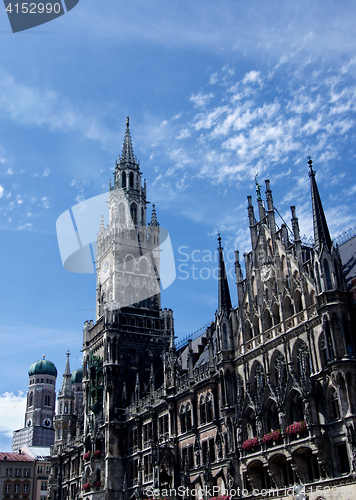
[31,399]
[334,405]
[142,217]
[275,312]
[183,424]
[133,211]
[327,275]
[130,264]
[209,407]
[123,183]
[256,326]
[66,407]
[131,180]
[267,320]
[61,408]
[122,213]
[143,266]
[202,410]
[225,336]
[248,331]
[298,304]
[288,308]
[317,273]
[189,416]
[133,357]
[328,340]
[47,400]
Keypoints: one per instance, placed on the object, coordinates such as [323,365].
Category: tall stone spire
[224,292]
[154,221]
[67,384]
[127,156]
[321,230]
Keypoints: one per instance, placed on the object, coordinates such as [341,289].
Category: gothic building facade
[263,400]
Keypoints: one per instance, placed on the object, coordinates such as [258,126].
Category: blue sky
[216,92]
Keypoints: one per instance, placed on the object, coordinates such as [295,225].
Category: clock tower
[128,249]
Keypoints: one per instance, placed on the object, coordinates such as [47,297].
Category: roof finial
[43,356]
[310,163]
[127,121]
[219,241]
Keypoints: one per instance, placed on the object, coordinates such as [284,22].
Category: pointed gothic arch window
[189,416]
[276,316]
[267,320]
[328,340]
[123,180]
[298,304]
[61,408]
[133,211]
[317,273]
[142,217]
[143,266]
[66,407]
[183,426]
[327,275]
[131,180]
[47,400]
[256,326]
[225,336]
[130,264]
[202,411]
[334,405]
[288,308]
[248,332]
[122,215]
[133,357]
[209,407]
[295,408]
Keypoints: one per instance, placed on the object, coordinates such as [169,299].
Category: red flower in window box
[86,486]
[86,455]
[296,428]
[248,444]
[272,436]
[97,453]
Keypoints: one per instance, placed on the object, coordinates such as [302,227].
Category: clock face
[106,269]
[47,422]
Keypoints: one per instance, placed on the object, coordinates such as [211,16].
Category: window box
[249,444]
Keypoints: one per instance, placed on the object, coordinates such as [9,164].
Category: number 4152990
[33,8]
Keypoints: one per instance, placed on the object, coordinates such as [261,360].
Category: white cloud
[213,79]
[12,411]
[252,77]
[46,172]
[200,100]
[1,191]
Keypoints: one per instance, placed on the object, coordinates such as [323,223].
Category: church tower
[40,407]
[128,249]
[123,350]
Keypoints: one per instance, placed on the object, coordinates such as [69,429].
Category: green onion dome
[77,376]
[42,367]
